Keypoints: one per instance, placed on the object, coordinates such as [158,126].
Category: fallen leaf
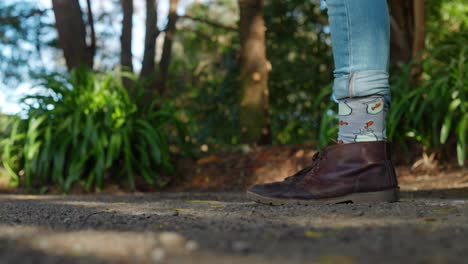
[181,209]
[204,202]
[444,210]
[299,153]
[429,219]
[313,234]
[208,159]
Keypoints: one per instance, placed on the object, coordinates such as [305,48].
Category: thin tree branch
[92,46]
[199,33]
[209,22]
[167,46]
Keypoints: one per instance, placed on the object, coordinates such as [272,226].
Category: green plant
[86,128]
[435,110]
[206,72]
[302,67]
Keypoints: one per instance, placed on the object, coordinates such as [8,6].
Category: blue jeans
[360,33]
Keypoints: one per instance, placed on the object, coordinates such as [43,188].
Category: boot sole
[390,196]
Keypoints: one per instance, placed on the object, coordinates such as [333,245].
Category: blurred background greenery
[119,89]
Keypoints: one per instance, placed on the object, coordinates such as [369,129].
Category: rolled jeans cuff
[360,84]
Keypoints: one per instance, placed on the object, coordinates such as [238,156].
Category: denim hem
[362,83]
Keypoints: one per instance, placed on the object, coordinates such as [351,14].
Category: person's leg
[360,34]
[361,171]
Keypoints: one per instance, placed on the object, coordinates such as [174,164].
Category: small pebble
[241,246]
[359,213]
[77,248]
[191,246]
[158,255]
[43,244]
[172,241]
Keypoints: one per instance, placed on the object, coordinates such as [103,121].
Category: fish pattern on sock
[361,119]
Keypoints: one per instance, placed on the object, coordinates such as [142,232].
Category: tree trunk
[401,28]
[92,45]
[254,112]
[407,24]
[72,33]
[419,37]
[167,47]
[148,65]
[126,38]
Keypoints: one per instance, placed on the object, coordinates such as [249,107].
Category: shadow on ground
[425,227]
[451,193]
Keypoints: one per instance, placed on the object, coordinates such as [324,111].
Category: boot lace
[314,166]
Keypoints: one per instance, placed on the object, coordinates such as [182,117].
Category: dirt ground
[429,225]
[193,223]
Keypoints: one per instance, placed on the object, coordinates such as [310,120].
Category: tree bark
[407,23]
[167,46]
[254,112]
[92,46]
[126,37]
[148,64]
[419,37]
[72,33]
[401,26]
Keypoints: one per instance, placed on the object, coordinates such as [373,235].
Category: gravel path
[425,227]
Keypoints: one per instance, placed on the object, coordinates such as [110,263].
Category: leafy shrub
[299,84]
[86,128]
[434,111]
[4,120]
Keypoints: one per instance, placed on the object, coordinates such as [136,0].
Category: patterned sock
[361,119]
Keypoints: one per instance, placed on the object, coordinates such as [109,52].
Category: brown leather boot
[355,172]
